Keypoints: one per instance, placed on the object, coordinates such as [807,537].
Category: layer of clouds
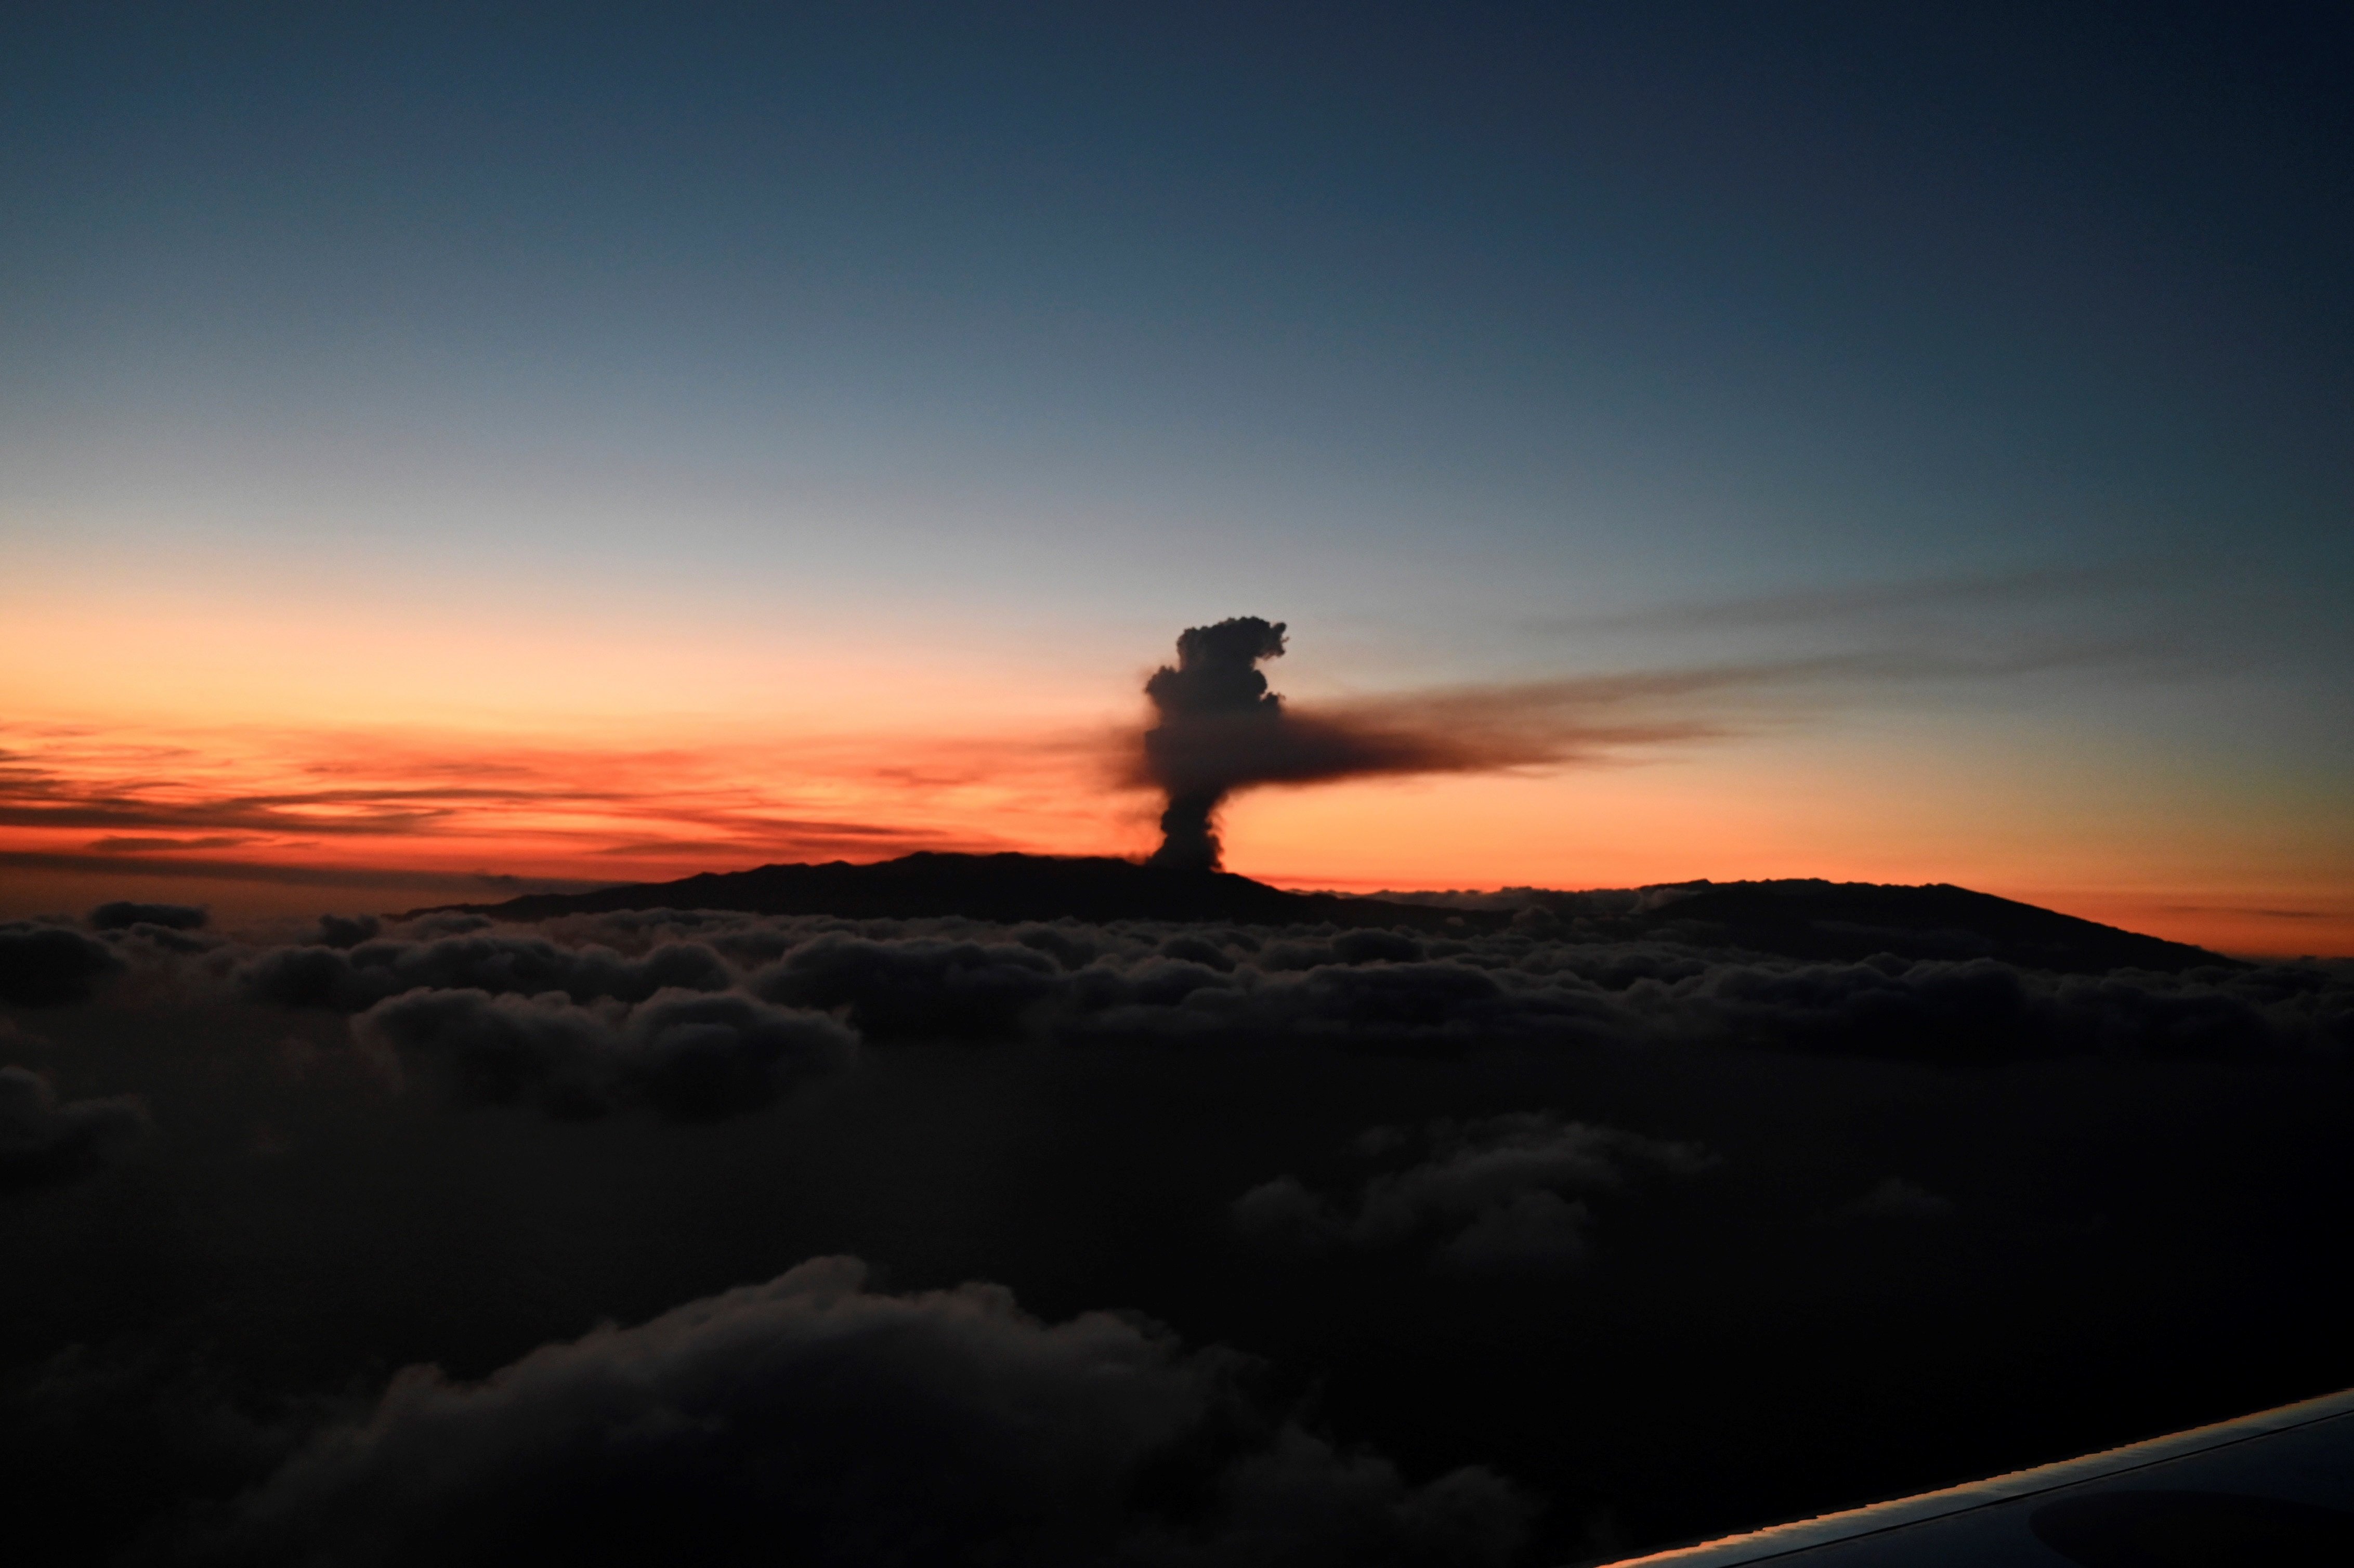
[1502,1195]
[916,987]
[1542,981]
[1074,1108]
[690,1058]
[44,1141]
[1396,989]
[816,1420]
[352,974]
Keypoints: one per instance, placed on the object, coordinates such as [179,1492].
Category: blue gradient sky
[1480,343]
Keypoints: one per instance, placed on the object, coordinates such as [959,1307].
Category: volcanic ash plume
[1216,714]
[1220,729]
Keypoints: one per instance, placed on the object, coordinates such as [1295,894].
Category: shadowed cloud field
[1506,1228]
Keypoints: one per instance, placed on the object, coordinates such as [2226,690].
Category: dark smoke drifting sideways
[1220,729]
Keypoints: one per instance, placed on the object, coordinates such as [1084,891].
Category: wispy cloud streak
[375,803]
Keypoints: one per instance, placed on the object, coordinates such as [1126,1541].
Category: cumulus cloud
[2127,1146]
[347,930]
[1546,982]
[1516,987]
[43,1141]
[48,965]
[349,975]
[817,1420]
[1503,1195]
[1982,1010]
[915,988]
[689,1057]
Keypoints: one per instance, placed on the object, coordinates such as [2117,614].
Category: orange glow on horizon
[1760,813]
[455,815]
[269,754]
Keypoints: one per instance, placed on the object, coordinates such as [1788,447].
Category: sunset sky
[447,450]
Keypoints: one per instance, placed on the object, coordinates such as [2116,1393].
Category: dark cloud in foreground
[1670,1235]
[43,1141]
[812,1419]
[1538,981]
[917,988]
[352,974]
[48,965]
[347,930]
[1503,1195]
[692,1058]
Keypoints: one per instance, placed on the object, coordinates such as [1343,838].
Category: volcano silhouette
[1793,918]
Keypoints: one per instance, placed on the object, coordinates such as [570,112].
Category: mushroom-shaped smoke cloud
[1216,715]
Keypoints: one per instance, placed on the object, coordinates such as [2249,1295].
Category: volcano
[1799,919]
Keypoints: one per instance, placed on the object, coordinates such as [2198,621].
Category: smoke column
[1219,730]
[1214,691]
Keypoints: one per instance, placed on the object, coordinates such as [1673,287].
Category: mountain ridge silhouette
[1797,917]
